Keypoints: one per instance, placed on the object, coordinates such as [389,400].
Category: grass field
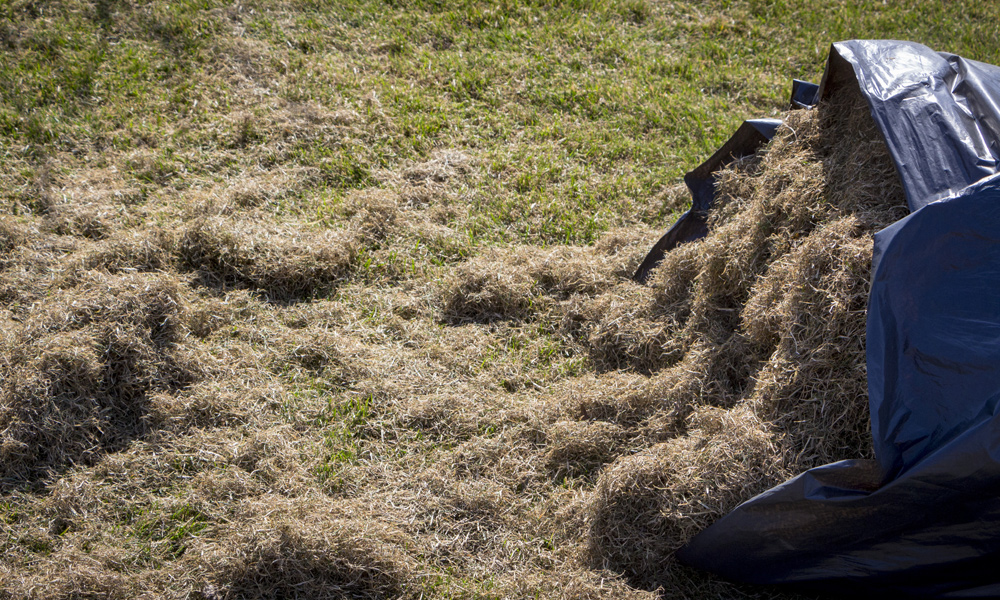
[316,299]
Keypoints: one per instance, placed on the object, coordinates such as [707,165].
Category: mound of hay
[285,264]
[274,548]
[764,317]
[374,213]
[77,373]
[82,221]
[296,553]
[130,251]
[521,282]
[648,505]
[578,447]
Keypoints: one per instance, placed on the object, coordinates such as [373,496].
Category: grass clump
[283,264]
[521,282]
[649,504]
[311,555]
[79,370]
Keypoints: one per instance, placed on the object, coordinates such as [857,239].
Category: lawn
[316,299]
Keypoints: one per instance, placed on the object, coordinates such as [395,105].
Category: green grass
[583,111]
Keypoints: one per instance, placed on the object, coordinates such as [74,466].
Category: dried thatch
[765,315]
[206,403]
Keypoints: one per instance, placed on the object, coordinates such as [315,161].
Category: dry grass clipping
[522,282]
[766,315]
[648,505]
[782,279]
[232,397]
[283,263]
[77,375]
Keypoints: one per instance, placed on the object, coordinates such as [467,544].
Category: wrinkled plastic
[804,94]
[923,519]
[939,113]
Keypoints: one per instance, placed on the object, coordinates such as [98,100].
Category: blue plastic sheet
[923,519]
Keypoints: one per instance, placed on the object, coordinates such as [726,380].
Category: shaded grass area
[330,299]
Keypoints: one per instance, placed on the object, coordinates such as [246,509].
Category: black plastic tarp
[923,519]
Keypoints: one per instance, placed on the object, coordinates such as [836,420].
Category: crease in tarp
[923,519]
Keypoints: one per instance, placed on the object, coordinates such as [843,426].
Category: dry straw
[764,319]
[78,373]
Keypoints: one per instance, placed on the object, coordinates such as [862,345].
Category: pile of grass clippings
[78,372]
[756,333]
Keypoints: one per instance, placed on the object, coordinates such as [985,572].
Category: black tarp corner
[693,224]
[923,519]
